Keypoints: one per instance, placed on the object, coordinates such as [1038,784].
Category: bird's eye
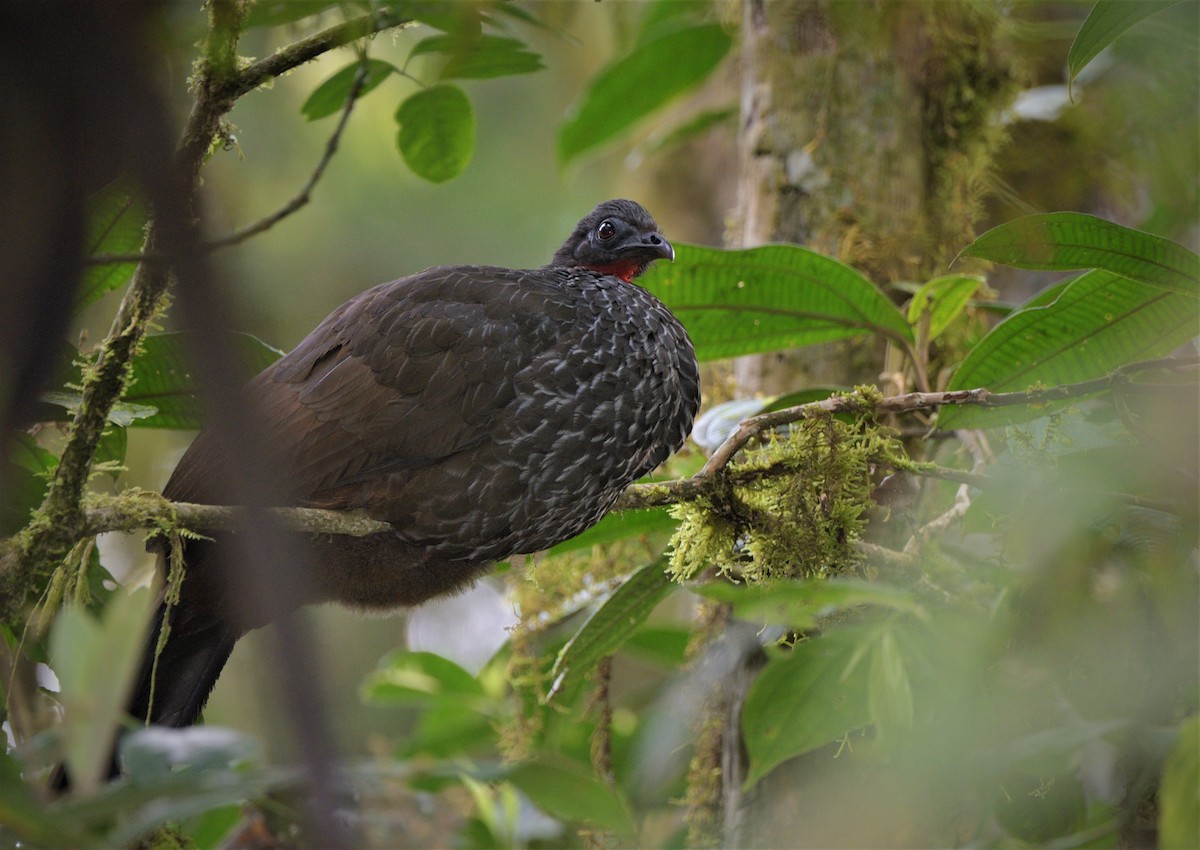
[606,230]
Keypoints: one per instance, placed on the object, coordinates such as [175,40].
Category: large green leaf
[768,298]
[437,132]
[1068,241]
[330,96]
[1108,20]
[116,224]
[1075,331]
[803,700]
[637,84]
[610,625]
[162,378]
[571,791]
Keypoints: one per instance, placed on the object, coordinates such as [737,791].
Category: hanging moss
[800,520]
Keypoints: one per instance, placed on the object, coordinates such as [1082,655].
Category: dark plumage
[483,412]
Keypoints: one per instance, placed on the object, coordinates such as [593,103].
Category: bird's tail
[173,684]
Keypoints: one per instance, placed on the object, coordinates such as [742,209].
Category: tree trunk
[866,133]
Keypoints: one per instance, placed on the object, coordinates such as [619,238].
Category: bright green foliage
[810,697]
[612,623]
[768,298]
[944,299]
[437,132]
[330,97]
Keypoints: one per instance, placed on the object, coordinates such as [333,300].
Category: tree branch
[982,397]
[139,510]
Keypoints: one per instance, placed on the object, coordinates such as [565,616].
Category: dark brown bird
[483,412]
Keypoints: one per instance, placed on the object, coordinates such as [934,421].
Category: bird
[482,412]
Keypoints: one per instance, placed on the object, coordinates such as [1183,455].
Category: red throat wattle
[624,269]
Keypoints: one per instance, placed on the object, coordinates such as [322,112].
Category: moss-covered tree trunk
[867,132]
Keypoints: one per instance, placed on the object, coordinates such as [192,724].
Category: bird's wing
[402,377]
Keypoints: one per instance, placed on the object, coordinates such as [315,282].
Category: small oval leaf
[437,132]
[330,96]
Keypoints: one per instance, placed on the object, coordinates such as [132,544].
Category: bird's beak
[657,247]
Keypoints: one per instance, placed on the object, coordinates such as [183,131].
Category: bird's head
[618,238]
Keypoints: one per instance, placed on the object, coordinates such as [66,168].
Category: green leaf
[1108,21]
[210,829]
[330,97]
[95,662]
[665,645]
[1075,331]
[1068,241]
[162,378]
[1179,802]
[116,224]
[634,86]
[803,604]
[944,298]
[270,13]
[570,791]
[25,480]
[480,58]
[450,729]
[805,699]
[417,678]
[769,298]
[122,414]
[663,16]
[22,816]
[437,132]
[889,691]
[464,20]
[617,526]
[610,625]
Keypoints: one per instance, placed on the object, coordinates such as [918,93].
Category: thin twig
[305,193]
